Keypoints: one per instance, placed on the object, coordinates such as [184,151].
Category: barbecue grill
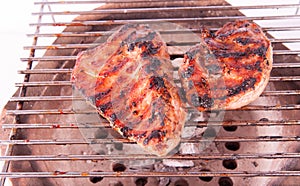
[52,137]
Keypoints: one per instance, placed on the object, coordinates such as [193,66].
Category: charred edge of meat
[127,26]
[155,134]
[150,49]
[153,66]
[206,32]
[104,107]
[98,96]
[202,101]
[130,39]
[191,54]
[146,42]
[225,35]
[156,82]
[128,132]
[127,41]
[125,131]
[267,61]
[113,117]
[247,84]
[188,72]
[149,37]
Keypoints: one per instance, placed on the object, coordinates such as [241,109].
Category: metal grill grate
[257,144]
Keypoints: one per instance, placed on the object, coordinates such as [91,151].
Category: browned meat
[129,79]
[229,69]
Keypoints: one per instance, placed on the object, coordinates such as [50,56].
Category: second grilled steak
[229,69]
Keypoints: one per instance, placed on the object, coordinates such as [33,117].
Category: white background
[14,19]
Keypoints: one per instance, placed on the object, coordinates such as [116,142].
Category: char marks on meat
[129,80]
[229,68]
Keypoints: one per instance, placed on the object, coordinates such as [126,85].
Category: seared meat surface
[129,79]
[229,69]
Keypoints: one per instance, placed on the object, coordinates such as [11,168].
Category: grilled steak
[229,68]
[129,79]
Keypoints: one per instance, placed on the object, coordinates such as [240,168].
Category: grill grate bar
[96,2]
[68,83]
[285,78]
[145,157]
[72,98]
[121,22]
[286,65]
[65,71]
[46,98]
[49,58]
[85,46]
[281,93]
[69,58]
[159,9]
[102,33]
[60,174]
[105,124]
[70,111]
[44,83]
[47,71]
[122,140]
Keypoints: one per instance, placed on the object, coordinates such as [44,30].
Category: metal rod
[70,111]
[104,123]
[121,22]
[46,98]
[44,83]
[72,98]
[285,78]
[47,71]
[98,1]
[281,93]
[287,65]
[86,46]
[69,157]
[160,9]
[50,58]
[69,71]
[62,174]
[103,33]
[285,52]
[123,140]
[68,83]
[69,58]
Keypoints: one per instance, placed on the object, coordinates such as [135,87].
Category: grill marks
[133,87]
[243,54]
[246,85]
[240,62]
